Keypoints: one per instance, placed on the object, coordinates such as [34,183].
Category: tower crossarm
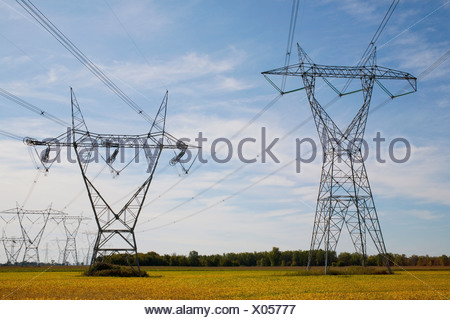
[27,212]
[62,217]
[87,139]
[349,72]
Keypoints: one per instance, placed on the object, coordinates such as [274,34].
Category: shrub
[103,269]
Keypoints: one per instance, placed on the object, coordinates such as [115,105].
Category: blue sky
[209,55]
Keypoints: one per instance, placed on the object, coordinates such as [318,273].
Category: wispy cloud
[420,179]
[361,10]
[425,214]
[188,67]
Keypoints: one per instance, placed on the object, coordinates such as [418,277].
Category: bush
[100,266]
[103,269]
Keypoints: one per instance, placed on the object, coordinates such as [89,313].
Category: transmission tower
[60,251]
[13,246]
[32,235]
[46,253]
[115,228]
[71,226]
[344,195]
[90,241]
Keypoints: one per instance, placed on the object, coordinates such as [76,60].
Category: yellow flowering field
[232,283]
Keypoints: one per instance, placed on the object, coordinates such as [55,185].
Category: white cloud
[142,19]
[232,84]
[425,214]
[361,10]
[421,179]
[9,61]
[187,67]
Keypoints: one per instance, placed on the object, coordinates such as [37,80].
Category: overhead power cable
[33,108]
[367,53]
[371,47]
[11,135]
[80,56]
[32,187]
[127,32]
[414,24]
[293,22]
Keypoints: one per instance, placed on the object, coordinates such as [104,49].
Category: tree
[444,260]
[275,257]
[400,260]
[193,259]
[413,260]
[344,259]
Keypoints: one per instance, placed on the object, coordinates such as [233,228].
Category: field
[221,283]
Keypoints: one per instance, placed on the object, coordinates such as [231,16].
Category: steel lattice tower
[115,228]
[13,246]
[32,238]
[344,196]
[90,242]
[60,251]
[71,226]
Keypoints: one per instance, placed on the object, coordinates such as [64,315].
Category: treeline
[275,257]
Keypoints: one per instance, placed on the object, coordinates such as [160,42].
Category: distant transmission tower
[71,226]
[344,195]
[90,241]
[60,251]
[115,228]
[46,253]
[13,246]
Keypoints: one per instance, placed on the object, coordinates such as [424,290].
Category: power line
[11,135]
[371,47]
[377,34]
[80,56]
[126,31]
[32,108]
[414,24]
[293,22]
[30,191]
[134,44]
